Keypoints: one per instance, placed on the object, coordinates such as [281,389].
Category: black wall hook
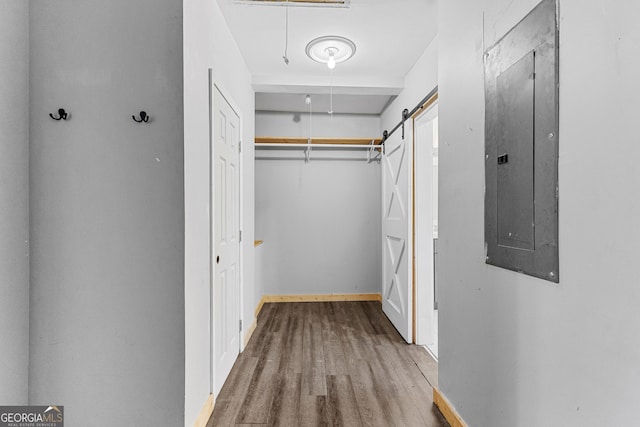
[62,115]
[144,117]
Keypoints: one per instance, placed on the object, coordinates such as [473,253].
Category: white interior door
[397,295]
[426,186]
[226,248]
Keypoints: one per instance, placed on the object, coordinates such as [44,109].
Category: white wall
[208,44]
[320,220]
[107,218]
[14,201]
[269,123]
[515,350]
[419,81]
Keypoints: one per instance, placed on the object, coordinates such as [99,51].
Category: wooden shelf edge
[290,140]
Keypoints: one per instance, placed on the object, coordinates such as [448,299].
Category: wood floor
[328,364]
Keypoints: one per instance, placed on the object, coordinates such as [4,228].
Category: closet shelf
[289,142]
[266,140]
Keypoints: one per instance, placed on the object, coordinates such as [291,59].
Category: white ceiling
[390,35]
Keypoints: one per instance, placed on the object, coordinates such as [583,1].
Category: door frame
[417,325]
[214,83]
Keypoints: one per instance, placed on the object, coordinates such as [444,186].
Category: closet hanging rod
[287,145]
[314,140]
[317,159]
[411,113]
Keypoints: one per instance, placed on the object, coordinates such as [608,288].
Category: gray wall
[14,201]
[515,350]
[107,212]
[320,220]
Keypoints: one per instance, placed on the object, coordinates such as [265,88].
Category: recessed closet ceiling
[390,36]
[320,103]
[318,2]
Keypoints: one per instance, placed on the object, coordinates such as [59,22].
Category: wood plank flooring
[328,364]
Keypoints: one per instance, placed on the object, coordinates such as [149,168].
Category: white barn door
[397,298]
[226,248]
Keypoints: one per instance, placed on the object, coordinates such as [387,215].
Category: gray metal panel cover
[521,133]
[515,144]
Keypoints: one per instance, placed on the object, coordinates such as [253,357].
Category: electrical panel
[521,146]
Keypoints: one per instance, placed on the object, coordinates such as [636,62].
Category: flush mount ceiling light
[330,50]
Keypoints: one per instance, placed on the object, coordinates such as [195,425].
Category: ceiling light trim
[322,49]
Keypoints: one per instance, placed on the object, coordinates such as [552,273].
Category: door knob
[218,259]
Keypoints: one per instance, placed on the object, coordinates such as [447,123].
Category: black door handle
[218,259]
